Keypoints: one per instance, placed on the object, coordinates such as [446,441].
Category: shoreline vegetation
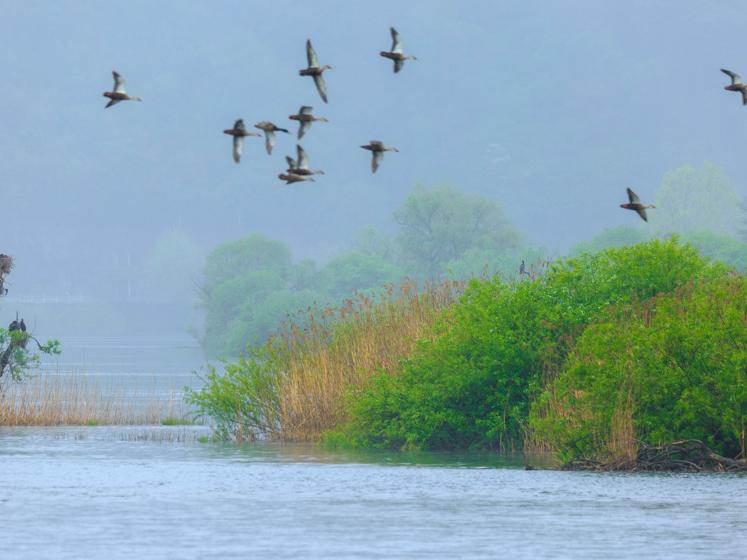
[75,400]
[614,360]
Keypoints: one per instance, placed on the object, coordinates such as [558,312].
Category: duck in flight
[635,204]
[377,149]
[300,165]
[290,178]
[396,53]
[315,70]
[270,129]
[736,84]
[305,118]
[119,93]
[238,132]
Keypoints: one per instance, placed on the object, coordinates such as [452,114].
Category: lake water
[162,492]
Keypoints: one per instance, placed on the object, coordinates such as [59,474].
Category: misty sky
[550,108]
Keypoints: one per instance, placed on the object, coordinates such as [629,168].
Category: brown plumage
[315,71]
[377,149]
[736,84]
[119,93]
[635,204]
[305,118]
[396,53]
[290,178]
[269,130]
[239,132]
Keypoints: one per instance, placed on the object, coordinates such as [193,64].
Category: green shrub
[472,384]
[672,368]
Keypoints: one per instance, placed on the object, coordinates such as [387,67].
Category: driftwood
[689,455]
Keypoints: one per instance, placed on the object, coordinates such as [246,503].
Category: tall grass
[57,400]
[294,388]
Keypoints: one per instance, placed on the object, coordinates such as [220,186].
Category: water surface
[158,492]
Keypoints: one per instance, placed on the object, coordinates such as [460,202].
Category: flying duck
[238,132]
[305,118]
[315,70]
[635,204]
[300,165]
[377,149]
[270,129]
[119,93]
[396,54]
[290,178]
[736,84]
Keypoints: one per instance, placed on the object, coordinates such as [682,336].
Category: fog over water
[551,109]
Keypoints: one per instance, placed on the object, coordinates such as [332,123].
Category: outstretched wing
[269,140]
[291,163]
[398,64]
[239,125]
[744,97]
[238,146]
[396,43]
[302,158]
[302,128]
[321,87]
[118,82]
[642,213]
[311,55]
[305,110]
[376,160]
[112,102]
[735,78]
[632,197]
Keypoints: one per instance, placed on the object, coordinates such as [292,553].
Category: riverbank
[602,355]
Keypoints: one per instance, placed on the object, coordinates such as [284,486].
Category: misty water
[165,492]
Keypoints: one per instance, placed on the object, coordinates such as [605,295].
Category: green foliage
[692,199]
[252,285]
[724,248]
[346,274]
[472,385]
[243,399]
[20,351]
[619,236]
[679,362]
[439,225]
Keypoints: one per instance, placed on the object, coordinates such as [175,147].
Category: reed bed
[73,400]
[336,353]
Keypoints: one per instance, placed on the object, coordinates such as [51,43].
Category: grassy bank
[601,353]
[294,387]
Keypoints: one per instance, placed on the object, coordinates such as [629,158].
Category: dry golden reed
[59,400]
[339,350]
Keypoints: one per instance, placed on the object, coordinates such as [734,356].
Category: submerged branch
[689,455]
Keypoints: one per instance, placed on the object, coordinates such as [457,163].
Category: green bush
[472,385]
[672,368]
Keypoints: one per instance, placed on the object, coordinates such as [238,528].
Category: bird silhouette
[315,71]
[119,93]
[396,53]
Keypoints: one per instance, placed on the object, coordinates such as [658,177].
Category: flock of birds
[298,168]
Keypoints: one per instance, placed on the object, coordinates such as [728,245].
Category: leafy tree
[692,199]
[619,236]
[353,271]
[19,349]
[439,225]
[724,248]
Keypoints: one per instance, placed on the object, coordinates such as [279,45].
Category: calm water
[158,492]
